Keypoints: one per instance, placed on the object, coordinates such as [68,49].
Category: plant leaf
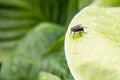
[47,76]
[18,17]
[41,50]
[107,3]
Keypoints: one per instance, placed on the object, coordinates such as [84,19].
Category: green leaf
[84,3]
[17,17]
[74,6]
[107,3]
[37,10]
[40,50]
[72,9]
[95,55]
[47,76]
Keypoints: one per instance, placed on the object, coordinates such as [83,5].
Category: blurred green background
[32,38]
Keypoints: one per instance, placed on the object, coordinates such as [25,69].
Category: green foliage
[108,3]
[47,76]
[84,3]
[40,50]
[26,48]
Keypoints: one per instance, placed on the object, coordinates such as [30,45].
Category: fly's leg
[80,33]
[74,35]
[70,33]
[84,31]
